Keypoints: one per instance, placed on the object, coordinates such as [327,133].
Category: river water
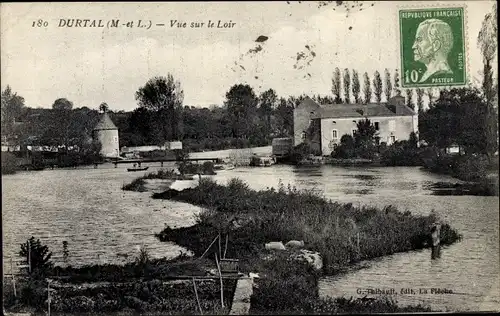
[103,224]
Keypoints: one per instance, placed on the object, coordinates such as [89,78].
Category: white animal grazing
[295,244]
[275,245]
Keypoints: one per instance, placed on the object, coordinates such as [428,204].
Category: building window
[335,134]
[377,141]
[392,126]
[115,138]
[376,126]
[354,131]
[393,139]
[304,135]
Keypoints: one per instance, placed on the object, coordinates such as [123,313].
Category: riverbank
[150,286]
[163,179]
[340,233]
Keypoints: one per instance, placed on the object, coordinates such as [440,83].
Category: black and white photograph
[249,157]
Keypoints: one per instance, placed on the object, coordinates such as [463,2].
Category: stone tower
[106,133]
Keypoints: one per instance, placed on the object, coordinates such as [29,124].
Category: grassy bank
[142,286]
[138,184]
[252,218]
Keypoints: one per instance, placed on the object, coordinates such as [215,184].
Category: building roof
[105,123]
[363,110]
[309,103]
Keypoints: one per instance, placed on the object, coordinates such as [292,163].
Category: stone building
[323,125]
[106,133]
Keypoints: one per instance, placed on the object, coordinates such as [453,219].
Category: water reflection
[102,223]
[469,268]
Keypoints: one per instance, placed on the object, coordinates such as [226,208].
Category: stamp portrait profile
[432,47]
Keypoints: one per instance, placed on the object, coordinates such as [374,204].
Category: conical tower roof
[105,123]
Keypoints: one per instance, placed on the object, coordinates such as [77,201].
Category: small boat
[137,169]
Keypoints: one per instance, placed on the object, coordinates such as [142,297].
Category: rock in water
[275,245]
[295,244]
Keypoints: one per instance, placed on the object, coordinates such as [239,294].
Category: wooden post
[13,277]
[29,256]
[221,284]
[48,296]
[197,299]
[357,242]
[209,247]
[162,167]
[225,248]
[220,248]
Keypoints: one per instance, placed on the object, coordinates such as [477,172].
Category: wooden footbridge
[160,160]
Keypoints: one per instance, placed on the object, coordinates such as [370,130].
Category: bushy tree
[267,104]
[388,85]
[163,96]
[457,117]
[62,104]
[377,86]
[367,90]
[12,109]
[38,254]
[488,44]
[346,148]
[337,86]
[409,97]
[364,138]
[420,99]
[241,104]
[355,86]
[347,86]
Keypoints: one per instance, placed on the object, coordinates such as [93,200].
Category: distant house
[324,125]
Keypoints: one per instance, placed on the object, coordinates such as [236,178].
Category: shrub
[137,185]
[9,164]
[39,256]
[254,218]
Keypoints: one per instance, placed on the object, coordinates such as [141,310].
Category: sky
[92,65]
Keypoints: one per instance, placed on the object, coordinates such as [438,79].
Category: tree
[284,117]
[388,85]
[456,118]
[377,86]
[409,97]
[355,86]
[267,104]
[164,96]
[346,149]
[103,107]
[336,86]
[62,130]
[420,100]
[347,84]
[430,94]
[12,108]
[36,253]
[487,42]
[367,90]
[241,104]
[62,104]
[397,91]
[364,138]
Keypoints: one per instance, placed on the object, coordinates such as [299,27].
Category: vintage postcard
[284,157]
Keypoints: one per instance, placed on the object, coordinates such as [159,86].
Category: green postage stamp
[432,45]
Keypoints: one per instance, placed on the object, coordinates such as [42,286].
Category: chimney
[396,104]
